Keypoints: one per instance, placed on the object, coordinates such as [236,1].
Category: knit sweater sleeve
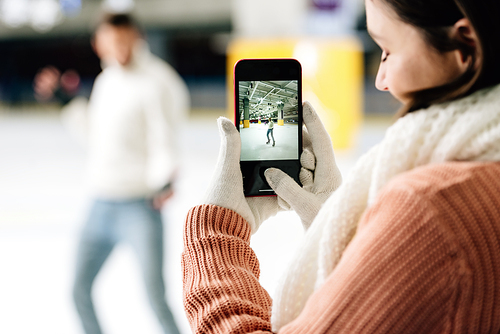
[221,289]
[398,275]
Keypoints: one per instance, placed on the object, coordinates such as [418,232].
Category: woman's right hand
[319,174]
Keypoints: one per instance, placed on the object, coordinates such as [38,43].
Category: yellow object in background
[281,122]
[332,78]
[246,123]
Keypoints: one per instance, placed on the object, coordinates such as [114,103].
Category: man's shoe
[274,143]
[268,142]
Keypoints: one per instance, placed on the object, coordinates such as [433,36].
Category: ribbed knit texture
[425,259]
[224,298]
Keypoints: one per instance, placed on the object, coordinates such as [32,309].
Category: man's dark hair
[120,21]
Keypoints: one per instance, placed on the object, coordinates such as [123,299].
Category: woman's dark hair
[435,18]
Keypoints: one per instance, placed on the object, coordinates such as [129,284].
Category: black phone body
[268,115]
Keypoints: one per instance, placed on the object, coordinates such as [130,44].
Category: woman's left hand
[226,188]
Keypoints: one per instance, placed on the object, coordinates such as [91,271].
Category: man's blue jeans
[270,131]
[137,223]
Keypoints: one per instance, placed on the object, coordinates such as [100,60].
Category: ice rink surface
[254,138]
[43,203]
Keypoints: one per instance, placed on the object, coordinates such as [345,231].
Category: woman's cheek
[398,90]
[402,79]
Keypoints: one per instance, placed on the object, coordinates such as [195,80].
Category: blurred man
[135,106]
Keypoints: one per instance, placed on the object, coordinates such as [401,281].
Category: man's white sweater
[133,113]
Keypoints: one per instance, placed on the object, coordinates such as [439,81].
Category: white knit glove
[226,188]
[319,174]
[319,178]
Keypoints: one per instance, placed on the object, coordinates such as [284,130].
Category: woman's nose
[380,82]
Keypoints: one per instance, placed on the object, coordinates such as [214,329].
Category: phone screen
[268,115]
[269,118]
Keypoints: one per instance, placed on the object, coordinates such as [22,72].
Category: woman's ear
[464,32]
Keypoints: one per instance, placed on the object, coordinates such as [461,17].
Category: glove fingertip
[308,159]
[226,126]
[308,110]
[271,174]
[306,106]
[306,177]
[273,171]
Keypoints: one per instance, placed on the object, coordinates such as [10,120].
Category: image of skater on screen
[270,130]
[266,109]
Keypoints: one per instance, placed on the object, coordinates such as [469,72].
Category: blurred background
[43,194]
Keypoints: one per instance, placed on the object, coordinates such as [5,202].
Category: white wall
[269,17]
[159,13]
[259,18]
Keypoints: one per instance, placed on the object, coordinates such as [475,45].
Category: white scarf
[464,130]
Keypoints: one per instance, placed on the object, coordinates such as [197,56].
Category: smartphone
[268,115]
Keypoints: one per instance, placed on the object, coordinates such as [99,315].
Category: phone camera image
[270,114]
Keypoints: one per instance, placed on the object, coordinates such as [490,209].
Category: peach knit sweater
[425,259]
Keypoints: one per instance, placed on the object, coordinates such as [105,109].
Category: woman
[410,242]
